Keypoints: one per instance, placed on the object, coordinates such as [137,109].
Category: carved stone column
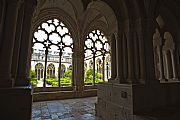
[113,58]
[78,68]
[178,62]
[124,58]
[2,16]
[173,64]
[160,63]
[7,44]
[157,43]
[24,56]
[142,74]
[167,65]
[17,42]
[149,24]
[121,56]
[130,54]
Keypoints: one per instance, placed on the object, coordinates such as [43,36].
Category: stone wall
[138,102]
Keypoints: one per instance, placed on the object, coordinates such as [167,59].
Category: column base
[175,79]
[163,80]
[78,88]
[113,80]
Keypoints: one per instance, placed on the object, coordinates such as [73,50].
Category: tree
[32,74]
[33,78]
[89,74]
[68,74]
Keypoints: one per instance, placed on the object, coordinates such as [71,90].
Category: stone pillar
[2,15]
[7,44]
[22,78]
[173,65]
[136,56]
[113,57]
[78,76]
[162,75]
[124,60]
[120,55]
[160,63]
[164,64]
[167,66]
[142,75]
[148,51]
[130,50]
[178,62]
[17,42]
[37,74]
[157,42]
[139,52]
[103,68]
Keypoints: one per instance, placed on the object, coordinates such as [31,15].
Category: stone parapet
[137,102]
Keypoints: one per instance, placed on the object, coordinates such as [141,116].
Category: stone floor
[71,109]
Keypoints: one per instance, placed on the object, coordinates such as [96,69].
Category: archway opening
[53,48]
[97,60]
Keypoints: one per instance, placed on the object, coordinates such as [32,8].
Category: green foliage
[33,78]
[98,75]
[89,77]
[63,81]
[32,74]
[66,82]
[68,74]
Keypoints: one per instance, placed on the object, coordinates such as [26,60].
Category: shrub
[32,74]
[89,77]
[68,74]
[63,81]
[33,78]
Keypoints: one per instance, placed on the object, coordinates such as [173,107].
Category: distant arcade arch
[51,70]
[39,69]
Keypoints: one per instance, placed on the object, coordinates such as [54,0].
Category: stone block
[16,103]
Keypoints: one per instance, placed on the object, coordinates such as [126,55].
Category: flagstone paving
[71,109]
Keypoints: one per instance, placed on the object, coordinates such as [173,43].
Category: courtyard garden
[66,78]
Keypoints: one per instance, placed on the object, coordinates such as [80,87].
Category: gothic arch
[169,53]
[90,64]
[63,70]
[51,70]
[39,69]
[99,65]
[99,15]
[51,13]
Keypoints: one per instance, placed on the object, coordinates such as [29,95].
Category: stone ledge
[57,95]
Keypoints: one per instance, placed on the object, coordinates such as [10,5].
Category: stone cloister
[144,56]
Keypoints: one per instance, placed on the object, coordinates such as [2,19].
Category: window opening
[97,49]
[53,46]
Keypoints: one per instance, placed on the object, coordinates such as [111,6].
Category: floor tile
[70,109]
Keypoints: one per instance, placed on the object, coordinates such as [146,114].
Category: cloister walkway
[71,109]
